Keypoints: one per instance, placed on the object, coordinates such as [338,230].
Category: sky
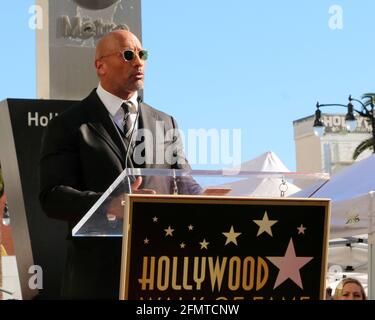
[250,66]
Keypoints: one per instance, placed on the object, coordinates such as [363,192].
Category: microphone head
[139,99]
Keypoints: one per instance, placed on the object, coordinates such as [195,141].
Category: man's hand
[117,206]
[136,184]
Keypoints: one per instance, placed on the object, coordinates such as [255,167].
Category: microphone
[139,101]
[113,221]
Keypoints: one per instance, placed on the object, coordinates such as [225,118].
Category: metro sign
[78,28]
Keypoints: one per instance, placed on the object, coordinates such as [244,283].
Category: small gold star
[190,227]
[182,245]
[204,244]
[301,229]
[265,225]
[146,241]
[231,236]
[169,231]
[155,219]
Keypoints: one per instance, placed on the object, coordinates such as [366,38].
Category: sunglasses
[129,55]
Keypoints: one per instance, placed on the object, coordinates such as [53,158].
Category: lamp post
[351,123]
[366,111]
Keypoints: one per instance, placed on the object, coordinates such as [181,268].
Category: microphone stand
[113,221]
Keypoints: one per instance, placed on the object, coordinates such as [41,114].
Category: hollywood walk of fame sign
[208,248]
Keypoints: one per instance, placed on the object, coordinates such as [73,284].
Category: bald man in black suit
[84,151]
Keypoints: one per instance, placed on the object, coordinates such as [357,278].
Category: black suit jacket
[82,154]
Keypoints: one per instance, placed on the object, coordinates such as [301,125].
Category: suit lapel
[148,120]
[102,124]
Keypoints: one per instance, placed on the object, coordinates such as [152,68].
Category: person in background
[349,289]
[329,293]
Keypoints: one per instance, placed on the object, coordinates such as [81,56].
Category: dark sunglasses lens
[128,55]
[143,54]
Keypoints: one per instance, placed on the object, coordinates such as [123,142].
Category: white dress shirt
[113,105]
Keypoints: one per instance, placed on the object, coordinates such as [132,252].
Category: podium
[201,243]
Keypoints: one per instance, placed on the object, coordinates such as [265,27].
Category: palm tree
[368,143]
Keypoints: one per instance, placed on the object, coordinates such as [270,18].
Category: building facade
[334,150]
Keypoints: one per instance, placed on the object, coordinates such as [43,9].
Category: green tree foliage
[368,143]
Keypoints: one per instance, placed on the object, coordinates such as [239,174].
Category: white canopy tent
[352,191]
[352,194]
[261,186]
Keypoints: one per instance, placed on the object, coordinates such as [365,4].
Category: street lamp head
[318,123]
[351,122]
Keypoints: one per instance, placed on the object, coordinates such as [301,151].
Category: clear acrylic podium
[102,221]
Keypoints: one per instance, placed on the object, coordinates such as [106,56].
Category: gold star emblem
[155,219]
[231,236]
[182,245]
[204,244]
[190,227]
[169,231]
[146,241]
[265,225]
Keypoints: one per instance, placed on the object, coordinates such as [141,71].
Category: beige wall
[331,152]
[308,154]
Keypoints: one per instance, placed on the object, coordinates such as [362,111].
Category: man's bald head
[112,42]
[118,76]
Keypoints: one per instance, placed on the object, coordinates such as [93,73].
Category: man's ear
[100,67]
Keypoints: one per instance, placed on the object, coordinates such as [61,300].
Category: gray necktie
[127,122]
